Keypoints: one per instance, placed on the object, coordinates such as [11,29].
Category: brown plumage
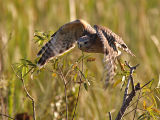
[63,39]
[110,53]
[97,39]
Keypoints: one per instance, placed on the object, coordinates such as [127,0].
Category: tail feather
[42,50]
[41,61]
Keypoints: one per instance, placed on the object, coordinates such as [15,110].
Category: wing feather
[62,40]
[110,54]
[112,37]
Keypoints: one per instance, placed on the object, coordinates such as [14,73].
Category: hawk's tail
[42,50]
[46,52]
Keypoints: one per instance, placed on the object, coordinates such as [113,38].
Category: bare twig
[141,96]
[110,116]
[78,92]
[133,110]
[136,105]
[66,102]
[77,100]
[131,73]
[7,116]
[128,97]
[26,91]
[126,92]
[146,84]
[65,90]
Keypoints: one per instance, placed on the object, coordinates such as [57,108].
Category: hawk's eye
[85,42]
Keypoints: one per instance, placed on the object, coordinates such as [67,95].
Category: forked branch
[128,97]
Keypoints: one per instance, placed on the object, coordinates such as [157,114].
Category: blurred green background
[137,21]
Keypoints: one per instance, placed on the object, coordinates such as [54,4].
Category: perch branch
[136,105]
[140,96]
[128,97]
[126,92]
[26,91]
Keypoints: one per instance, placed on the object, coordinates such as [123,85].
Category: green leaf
[154,100]
[25,60]
[25,71]
[40,42]
[86,73]
[152,114]
[28,62]
[55,65]
[158,90]
[151,83]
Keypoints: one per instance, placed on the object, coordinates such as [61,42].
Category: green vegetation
[137,21]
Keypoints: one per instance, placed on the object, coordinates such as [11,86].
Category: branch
[110,116]
[133,110]
[141,96]
[78,90]
[77,99]
[65,87]
[131,73]
[26,91]
[126,91]
[146,84]
[128,97]
[7,116]
[136,105]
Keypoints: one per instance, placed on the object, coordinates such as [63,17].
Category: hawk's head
[85,42]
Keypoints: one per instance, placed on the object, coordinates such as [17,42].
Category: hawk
[96,39]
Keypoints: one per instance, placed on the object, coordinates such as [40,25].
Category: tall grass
[136,21]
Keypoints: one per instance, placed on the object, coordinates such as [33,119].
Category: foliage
[136,21]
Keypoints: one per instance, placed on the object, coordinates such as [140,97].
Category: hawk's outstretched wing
[63,40]
[114,38]
[110,54]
